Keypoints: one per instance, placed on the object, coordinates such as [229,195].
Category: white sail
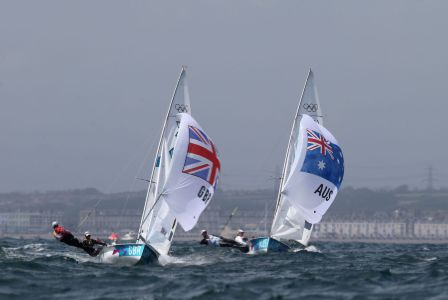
[193,174]
[158,224]
[288,223]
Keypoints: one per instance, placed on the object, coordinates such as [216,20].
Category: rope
[126,166]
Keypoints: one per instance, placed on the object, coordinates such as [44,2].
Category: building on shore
[107,221]
[255,223]
[380,229]
[21,221]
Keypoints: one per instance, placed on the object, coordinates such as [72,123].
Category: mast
[288,149]
[157,153]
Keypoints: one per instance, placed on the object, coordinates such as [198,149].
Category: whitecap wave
[430,259]
[310,248]
[26,251]
[190,260]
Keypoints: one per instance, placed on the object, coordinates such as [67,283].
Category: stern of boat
[128,254]
[267,244]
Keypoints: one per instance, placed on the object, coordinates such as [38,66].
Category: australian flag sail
[323,158]
[316,173]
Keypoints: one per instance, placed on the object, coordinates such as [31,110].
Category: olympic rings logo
[310,107]
[181,108]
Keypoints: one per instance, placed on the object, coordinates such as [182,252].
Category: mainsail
[289,223]
[158,223]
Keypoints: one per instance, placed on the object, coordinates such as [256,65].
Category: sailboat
[312,175]
[183,180]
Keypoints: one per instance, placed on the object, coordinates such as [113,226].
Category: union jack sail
[202,159]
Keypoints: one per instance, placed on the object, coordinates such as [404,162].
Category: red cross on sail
[202,158]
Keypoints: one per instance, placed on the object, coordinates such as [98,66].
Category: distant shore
[48,236]
[383,241]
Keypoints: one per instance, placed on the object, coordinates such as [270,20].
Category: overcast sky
[84,87]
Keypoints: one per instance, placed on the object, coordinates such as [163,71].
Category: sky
[85,85]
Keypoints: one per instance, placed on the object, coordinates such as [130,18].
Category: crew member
[113,237]
[88,244]
[208,239]
[65,236]
[240,238]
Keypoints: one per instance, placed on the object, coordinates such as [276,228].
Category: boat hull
[267,244]
[128,254]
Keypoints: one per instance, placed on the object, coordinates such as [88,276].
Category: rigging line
[89,214]
[136,174]
[126,166]
[274,148]
[149,212]
[133,158]
[229,219]
[152,208]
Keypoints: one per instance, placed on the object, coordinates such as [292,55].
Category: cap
[113,236]
[54,224]
[203,231]
[86,233]
[240,231]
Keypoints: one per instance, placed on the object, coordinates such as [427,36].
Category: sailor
[240,238]
[88,244]
[208,239]
[113,237]
[65,236]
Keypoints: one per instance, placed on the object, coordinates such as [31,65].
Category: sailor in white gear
[240,238]
[208,239]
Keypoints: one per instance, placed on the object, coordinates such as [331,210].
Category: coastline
[48,236]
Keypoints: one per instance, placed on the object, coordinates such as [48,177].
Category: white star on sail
[321,165]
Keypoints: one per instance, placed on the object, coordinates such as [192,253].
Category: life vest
[61,231]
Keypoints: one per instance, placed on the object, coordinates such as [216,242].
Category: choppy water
[41,269]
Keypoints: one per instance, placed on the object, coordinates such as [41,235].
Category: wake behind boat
[183,180]
[312,174]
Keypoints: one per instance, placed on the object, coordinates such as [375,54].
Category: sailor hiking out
[65,236]
[209,239]
[88,244]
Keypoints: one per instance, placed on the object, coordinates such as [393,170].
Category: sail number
[135,250]
[204,193]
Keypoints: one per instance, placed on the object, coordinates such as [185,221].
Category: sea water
[47,269]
